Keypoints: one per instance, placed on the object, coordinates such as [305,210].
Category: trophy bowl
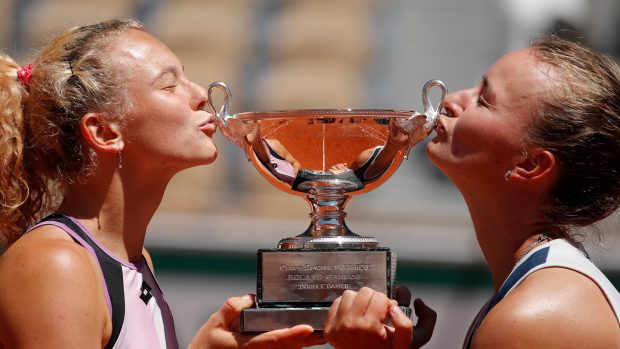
[325,156]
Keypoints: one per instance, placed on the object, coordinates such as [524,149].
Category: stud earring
[507,175]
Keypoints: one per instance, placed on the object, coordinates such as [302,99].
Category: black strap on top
[537,258]
[112,273]
[361,171]
[273,152]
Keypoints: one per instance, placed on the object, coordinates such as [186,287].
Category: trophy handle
[224,114]
[230,126]
[431,112]
[419,126]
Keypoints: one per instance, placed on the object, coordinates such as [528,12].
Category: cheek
[155,134]
[482,133]
[162,122]
[160,135]
[480,144]
[468,138]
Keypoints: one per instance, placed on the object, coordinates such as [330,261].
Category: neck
[505,228]
[116,210]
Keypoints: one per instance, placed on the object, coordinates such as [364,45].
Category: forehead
[520,80]
[136,52]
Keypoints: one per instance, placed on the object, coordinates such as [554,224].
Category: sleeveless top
[361,171]
[556,253]
[278,166]
[141,317]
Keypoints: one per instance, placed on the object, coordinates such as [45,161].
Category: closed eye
[485,90]
[170,87]
[481,102]
[446,111]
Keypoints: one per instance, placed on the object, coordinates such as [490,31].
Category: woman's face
[480,137]
[166,127]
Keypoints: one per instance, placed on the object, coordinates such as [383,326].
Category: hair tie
[24,74]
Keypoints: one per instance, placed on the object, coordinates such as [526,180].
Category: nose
[455,103]
[199,96]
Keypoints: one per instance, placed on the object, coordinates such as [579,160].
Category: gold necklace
[539,240]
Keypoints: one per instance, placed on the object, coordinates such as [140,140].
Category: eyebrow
[487,87]
[167,70]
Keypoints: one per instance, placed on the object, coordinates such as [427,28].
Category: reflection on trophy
[325,156]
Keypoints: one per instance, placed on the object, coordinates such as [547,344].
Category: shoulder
[46,257]
[45,277]
[43,250]
[273,142]
[364,156]
[148,259]
[275,145]
[552,308]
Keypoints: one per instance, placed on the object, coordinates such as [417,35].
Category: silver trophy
[325,156]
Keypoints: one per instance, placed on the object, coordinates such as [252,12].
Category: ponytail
[16,212]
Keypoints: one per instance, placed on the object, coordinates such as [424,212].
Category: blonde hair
[41,147]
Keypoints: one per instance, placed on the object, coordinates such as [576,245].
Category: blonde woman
[91,133]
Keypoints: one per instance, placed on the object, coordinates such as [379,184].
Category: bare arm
[552,308]
[51,296]
[397,140]
[283,152]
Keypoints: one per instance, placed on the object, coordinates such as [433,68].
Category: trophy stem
[327,212]
[328,229]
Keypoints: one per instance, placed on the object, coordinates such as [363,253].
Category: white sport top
[556,253]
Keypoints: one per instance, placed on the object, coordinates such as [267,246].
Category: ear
[101,134]
[538,164]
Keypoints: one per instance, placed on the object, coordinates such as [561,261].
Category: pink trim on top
[84,244]
[134,266]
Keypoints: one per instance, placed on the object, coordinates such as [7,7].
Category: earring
[120,159]
[507,175]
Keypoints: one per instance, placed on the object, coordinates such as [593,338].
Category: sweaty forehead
[138,53]
[520,80]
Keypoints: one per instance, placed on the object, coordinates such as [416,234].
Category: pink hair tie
[24,74]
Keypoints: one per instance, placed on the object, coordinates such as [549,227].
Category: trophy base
[300,278]
[269,319]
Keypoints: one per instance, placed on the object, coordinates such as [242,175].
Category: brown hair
[41,148]
[580,123]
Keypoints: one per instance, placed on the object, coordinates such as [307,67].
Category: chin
[204,158]
[211,159]
[435,157]
[209,152]
[211,156]
[431,152]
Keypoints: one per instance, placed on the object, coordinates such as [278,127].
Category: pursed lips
[208,125]
[440,130]
[440,127]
